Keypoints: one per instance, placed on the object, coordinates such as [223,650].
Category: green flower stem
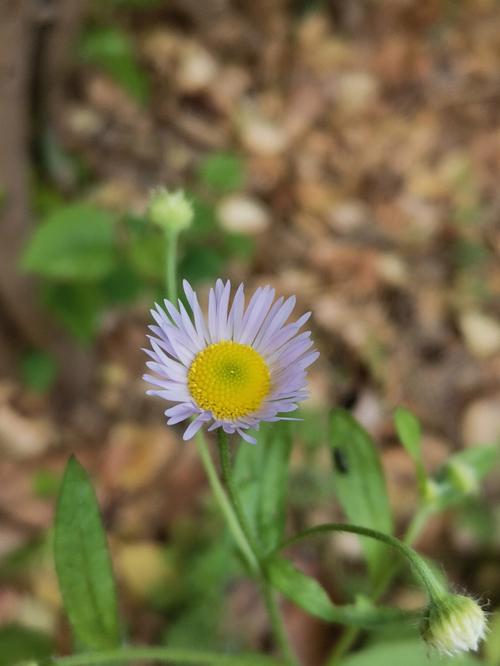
[227,477]
[228,512]
[171,239]
[434,587]
[159,654]
[272,607]
[351,634]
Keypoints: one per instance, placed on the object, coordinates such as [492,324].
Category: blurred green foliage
[38,370]
[407,652]
[111,49]
[18,643]
[222,172]
[91,259]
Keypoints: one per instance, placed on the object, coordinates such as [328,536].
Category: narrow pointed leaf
[83,564]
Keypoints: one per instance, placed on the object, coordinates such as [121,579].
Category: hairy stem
[274,614]
[351,634]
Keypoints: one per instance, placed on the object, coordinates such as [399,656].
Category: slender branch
[432,584]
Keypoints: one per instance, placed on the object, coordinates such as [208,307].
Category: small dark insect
[340,461]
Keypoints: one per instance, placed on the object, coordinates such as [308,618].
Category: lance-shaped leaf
[308,594]
[83,564]
[359,484]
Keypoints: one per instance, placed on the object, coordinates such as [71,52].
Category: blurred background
[347,152]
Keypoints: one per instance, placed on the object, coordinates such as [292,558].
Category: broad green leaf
[409,432]
[407,652]
[38,370]
[359,484]
[83,564]
[261,474]
[75,242]
[222,172]
[112,50]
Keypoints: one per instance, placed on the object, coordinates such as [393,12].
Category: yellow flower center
[229,379]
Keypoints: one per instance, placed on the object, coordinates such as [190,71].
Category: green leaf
[479,459]
[261,474]
[75,242]
[308,594]
[303,590]
[18,643]
[112,50]
[273,482]
[407,652]
[359,484]
[38,370]
[409,432]
[222,172]
[83,564]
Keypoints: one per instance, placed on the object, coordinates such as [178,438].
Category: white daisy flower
[234,370]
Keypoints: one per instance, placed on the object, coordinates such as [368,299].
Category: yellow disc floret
[229,379]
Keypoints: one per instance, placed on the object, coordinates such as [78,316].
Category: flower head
[171,211]
[234,370]
[454,624]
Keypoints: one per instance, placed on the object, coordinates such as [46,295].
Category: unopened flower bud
[453,624]
[171,211]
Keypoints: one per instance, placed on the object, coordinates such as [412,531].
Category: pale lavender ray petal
[236,312]
[181,408]
[172,311]
[245,436]
[193,428]
[252,323]
[199,319]
[222,306]
[177,395]
[171,371]
[189,328]
[276,320]
[212,316]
